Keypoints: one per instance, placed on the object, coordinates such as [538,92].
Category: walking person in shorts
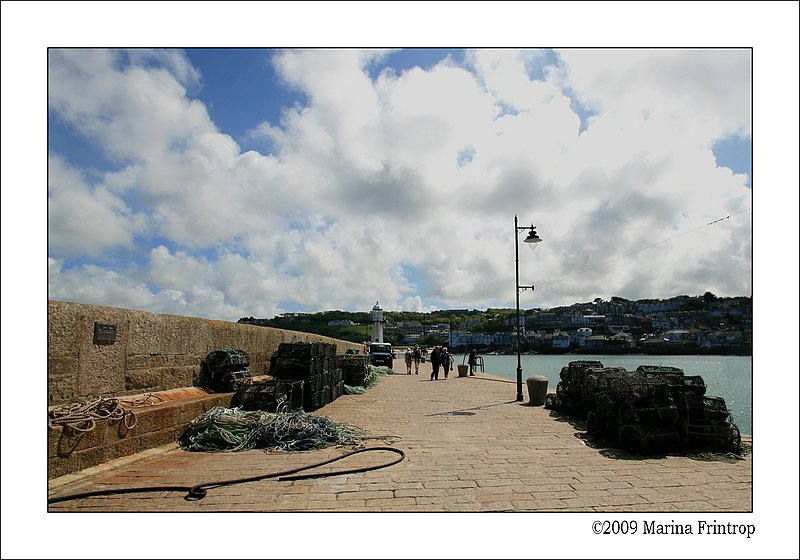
[417,356]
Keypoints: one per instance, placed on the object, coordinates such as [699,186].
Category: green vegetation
[705,311]
[491,320]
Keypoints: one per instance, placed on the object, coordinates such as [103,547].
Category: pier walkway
[469,447]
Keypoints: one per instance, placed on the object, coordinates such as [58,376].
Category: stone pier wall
[150,364]
[99,351]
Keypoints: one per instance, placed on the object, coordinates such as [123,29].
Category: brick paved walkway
[469,447]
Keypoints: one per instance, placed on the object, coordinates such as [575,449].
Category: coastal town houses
[680,325]
[683,324]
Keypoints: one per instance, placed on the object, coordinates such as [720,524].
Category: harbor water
[729,377]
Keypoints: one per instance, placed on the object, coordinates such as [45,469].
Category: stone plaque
[105,333]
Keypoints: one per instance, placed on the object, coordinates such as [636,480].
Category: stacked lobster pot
[315,365]
[654,408]
[601,396]
[647,416]
[225,370]
[569,391]
[354,368]
[704,422]
[270,395]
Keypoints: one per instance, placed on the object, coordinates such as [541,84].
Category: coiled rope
[82,417]
[199,491]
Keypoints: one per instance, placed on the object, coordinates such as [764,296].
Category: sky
[226,160]
[226,183]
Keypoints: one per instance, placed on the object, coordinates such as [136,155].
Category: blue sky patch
[736,153]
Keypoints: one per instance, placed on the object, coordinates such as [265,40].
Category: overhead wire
[595,267]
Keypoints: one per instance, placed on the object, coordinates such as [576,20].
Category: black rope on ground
[199,491]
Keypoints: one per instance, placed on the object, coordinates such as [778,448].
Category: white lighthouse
[377,323]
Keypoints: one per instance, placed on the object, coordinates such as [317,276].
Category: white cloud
[368,194]
[86,220]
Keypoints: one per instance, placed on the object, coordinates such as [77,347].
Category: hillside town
[683,324]
[680,325]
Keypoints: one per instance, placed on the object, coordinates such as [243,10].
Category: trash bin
[537,389]
[463,370]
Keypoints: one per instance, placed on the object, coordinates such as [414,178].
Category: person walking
[417,356]
[446,359]
[472,361]
[408,361]
[435,363]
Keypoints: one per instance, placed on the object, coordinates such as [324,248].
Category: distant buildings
[682,324]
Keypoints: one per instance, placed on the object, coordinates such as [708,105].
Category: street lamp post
[532,239]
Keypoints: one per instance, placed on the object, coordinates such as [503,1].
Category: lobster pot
[313,400]
[290,368]
[715,410]
[714,436]
[353,368]
[270,396]
[637,438]
[571,387]
[551,401]
[298,350]
[293,393]
[313,363]
[696,409]
[575,371]
[649,415]
[685,384]
[646,414]
[225,370]
[302,360]
[659,370]
[643,391]
[227,358]
[654,408]
[707,424]
[597,382]
[337,384]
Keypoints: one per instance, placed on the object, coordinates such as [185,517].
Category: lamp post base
[519,384]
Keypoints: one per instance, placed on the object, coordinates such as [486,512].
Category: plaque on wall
[105,333]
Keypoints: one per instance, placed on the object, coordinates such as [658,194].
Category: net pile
[654,408]
[225,370]
[315,365]
[232,429]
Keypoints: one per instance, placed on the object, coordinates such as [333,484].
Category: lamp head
[533,239]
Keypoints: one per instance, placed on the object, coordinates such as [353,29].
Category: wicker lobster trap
[652,409]
[315,365]
[270,396]
[225,370]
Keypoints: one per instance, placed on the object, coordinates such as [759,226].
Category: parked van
[380,354]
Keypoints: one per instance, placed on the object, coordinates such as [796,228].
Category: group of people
[413,356]
[440,358]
